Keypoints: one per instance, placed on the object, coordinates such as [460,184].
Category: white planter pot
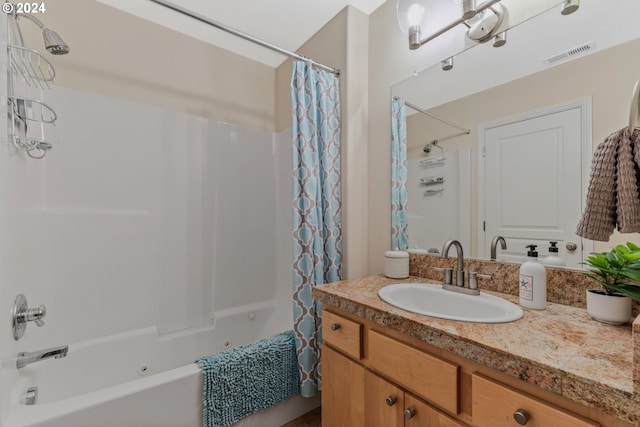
[613,309]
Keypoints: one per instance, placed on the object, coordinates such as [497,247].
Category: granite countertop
[560,349]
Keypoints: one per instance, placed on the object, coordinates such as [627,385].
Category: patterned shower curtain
[399,236]
[317,217]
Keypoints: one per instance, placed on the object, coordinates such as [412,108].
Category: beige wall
[343,44]
[116,54]
[590,76]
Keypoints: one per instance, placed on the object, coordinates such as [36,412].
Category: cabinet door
[420,414]
[433,379]
[342,391]
[384,402]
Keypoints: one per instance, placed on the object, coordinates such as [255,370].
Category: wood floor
[310,419]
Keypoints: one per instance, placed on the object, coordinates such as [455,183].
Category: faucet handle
[473,279]
[21,314]
[448,274]
[36,315]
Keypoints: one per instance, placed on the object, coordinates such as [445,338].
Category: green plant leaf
[632,273]
[630,290]
[633,247]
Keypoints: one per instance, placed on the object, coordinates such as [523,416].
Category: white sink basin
[432,300]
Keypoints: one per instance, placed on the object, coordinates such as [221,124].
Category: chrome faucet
[447,284]
[494,243]
[445,254]
[26,358]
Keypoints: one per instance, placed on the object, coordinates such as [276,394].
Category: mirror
[586,61]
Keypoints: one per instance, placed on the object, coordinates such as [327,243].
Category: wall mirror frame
[479,94]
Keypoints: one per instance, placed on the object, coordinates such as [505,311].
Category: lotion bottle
[533,282]
[553,259]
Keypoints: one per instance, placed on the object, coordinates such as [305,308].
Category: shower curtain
[317,218]
[399,236]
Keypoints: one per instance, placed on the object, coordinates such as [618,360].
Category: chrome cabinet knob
[571,246]
[521,416]
[409,413]
[335,326]
[391,400]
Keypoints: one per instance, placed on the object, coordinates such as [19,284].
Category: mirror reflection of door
[533,181]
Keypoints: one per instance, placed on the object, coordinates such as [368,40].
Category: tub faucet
[460,269]
[28,357]
[494,243]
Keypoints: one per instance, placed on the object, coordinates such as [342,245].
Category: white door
[534,183]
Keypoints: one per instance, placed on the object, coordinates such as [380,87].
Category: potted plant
[618,271]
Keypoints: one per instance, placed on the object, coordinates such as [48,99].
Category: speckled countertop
[560,349]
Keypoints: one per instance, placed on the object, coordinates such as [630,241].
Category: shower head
[427,148]
[54,43]
[52,40]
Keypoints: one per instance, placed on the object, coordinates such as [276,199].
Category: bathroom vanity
[383,366]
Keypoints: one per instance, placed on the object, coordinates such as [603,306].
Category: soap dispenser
[533,282]
[553,259]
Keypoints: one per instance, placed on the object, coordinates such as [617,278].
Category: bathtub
[141,379]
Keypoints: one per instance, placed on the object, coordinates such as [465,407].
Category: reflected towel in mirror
[613,198]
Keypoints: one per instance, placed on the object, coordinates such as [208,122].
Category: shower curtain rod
[244,36]
[433,116]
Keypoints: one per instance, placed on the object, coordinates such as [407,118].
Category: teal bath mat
[244,380]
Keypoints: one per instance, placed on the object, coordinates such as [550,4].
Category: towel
[248,379]
[613,197]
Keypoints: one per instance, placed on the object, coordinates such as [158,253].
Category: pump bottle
[533,282]
[553,259]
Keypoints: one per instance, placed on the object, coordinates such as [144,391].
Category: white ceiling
[284,23]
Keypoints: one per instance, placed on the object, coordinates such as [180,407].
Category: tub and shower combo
[148,260]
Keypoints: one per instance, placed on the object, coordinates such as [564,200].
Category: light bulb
[415,15]
[412,13]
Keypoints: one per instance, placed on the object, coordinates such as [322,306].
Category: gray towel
[613,197]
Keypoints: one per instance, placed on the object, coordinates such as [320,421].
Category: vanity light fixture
[500,39]
[469,9]
[570,6]
[485,24]
[447,64]
[412,16]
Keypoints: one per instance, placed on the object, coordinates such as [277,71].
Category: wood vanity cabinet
[387,405]
[354,396]
[375,377]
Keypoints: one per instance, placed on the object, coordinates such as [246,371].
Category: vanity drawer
[342,334]
[431,378]
[495,405]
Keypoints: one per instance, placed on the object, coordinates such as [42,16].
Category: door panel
[342,391]
[533,184]
[384,402]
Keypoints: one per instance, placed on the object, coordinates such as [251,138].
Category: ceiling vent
[571,53]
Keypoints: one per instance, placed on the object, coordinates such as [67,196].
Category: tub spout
[28,357]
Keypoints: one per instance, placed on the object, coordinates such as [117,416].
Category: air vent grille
[571,53]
